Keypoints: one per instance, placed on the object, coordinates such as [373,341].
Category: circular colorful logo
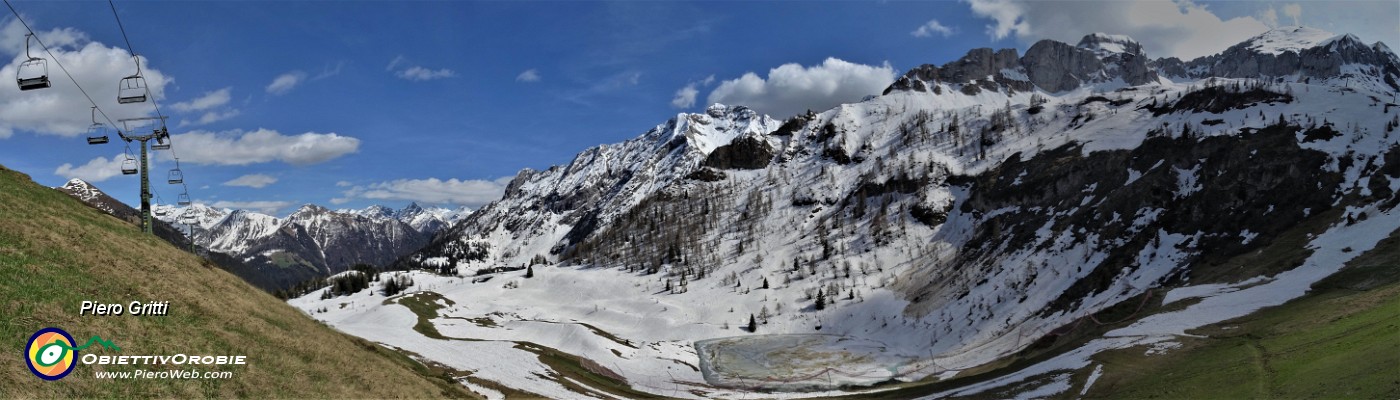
[50,354]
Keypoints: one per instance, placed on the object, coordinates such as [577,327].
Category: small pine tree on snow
[821,300]
[530,271]
[753,324]
[765,282]
[391,287]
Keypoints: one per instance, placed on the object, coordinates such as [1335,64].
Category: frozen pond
[798,361]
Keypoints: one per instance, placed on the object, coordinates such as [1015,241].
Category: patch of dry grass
[56,252]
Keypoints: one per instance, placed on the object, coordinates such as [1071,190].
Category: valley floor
[606,333]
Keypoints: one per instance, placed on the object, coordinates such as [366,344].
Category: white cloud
[62,109]
[256,181]
[405,69]
[213,106]
[473,193]
[1179,28]
[1269,17]
[791,88]
[329,71]
[931,28]
[13,32]
[416,73]
[530,75]
[1006,13]
[286,82]
[207,101]
[242,148]
[97,170]
[344,184]
[210,117]
[265,207]
[397,60]
[685,97]
[1295,12]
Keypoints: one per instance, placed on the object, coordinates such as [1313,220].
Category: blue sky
[347,104]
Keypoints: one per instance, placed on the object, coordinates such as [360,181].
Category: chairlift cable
[132,50]
[60,63]
[129,49]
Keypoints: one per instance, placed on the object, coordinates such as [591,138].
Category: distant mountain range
[276,253]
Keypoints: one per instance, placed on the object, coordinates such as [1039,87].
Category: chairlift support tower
[159,133]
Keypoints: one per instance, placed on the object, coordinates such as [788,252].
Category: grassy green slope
[56,252]
[1340,341]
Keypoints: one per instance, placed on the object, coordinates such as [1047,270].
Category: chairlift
[184,199]
[97,133]
[132,89]
[34,72]
[188,216]
[162,136]
[176,177]
[129,167]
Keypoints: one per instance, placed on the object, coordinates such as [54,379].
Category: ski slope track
[945,226]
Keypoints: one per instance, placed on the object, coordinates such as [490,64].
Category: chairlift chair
[184,199]
[96,139]
[34,72]
[129,167]
[162,136]
[97,133]
[177,176]
[132,89]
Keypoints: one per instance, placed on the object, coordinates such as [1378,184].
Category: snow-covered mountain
[90,194]
[544,212]
[1297,54]
[177,234]
[975,209]
[313,241]
[428,220]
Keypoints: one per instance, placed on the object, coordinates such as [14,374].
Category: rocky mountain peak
[1050,65]
[82,190]
[374,211]
[76,183]
[310,209]
[1103,44]
[704,132]
[1287,38]
[411,209]
[1301,53]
